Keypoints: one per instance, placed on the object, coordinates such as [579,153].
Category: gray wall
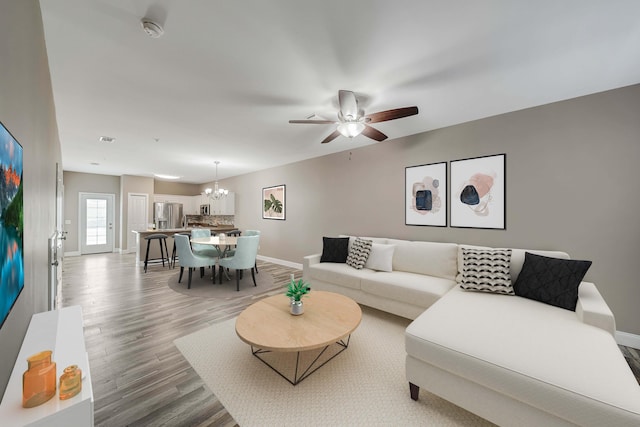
[27,110]
[572,174]
[176,188]
[76,182]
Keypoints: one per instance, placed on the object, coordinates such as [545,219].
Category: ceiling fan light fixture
[350,129]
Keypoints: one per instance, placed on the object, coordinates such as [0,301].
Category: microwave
[204,209]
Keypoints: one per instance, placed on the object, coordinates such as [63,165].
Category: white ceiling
[227,75]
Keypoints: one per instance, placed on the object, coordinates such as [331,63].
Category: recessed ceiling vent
[106,139]
[153,29]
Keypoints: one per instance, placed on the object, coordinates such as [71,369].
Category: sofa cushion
[337,273]
[486,270]
[410,288]
[551,280]
[359,253]
[428,258]
[533,352]
[381,257]
[517,258]
[335,249]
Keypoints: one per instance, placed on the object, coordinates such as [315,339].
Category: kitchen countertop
[217,228]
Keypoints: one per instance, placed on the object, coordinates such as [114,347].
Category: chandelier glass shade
[216,193]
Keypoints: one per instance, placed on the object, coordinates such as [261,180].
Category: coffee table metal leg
[310,369]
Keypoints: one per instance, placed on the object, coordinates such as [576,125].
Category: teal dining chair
[231,252]
[188,259]
[243,259]
[200,249]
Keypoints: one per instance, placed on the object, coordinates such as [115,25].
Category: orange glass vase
[39,380]
[70,382]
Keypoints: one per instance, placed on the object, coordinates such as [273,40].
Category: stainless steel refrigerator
[167,215]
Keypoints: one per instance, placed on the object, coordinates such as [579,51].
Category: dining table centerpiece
[295,292]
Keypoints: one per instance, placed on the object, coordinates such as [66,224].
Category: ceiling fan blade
[317,122]
[331,137]
[348,105]
[397,113]
[372,133]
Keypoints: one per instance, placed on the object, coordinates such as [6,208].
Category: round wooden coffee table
[328,319]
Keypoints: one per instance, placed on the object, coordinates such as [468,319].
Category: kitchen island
[154,250]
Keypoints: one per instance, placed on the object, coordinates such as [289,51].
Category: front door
[96,223]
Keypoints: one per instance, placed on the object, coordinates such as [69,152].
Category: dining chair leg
[256,267]
[190,272]
[238,280]
[181,271]
[253,276]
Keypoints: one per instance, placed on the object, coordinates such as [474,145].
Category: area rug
[204,288]
[364,385]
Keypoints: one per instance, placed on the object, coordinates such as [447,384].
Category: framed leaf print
[274,202]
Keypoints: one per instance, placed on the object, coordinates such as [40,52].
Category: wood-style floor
[131,318]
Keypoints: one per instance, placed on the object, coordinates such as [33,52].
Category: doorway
[137,217]
[96,223]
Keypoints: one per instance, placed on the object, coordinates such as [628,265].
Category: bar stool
[160,238]
[174,254]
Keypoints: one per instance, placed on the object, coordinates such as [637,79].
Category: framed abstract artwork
[426,195]
[274,202]
[478,192]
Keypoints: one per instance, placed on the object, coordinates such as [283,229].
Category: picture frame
[426,195]
[478,192]
[274,202]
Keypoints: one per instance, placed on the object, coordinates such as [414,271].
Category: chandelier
[216,193]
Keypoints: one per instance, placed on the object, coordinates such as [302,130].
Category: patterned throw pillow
[486,270]
[552,281]
[358,253]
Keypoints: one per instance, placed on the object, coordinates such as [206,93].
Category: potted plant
[295,291]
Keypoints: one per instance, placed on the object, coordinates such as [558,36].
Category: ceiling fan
[352,121]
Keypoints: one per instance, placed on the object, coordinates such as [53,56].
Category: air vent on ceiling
[106,139]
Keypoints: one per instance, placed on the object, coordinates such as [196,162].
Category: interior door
[137,217]
[96,223]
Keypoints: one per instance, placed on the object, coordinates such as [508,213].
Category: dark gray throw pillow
[335,249]
[553,281]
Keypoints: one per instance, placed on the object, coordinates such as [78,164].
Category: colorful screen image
[11,222]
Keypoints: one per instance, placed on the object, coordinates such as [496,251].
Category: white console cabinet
[62,332]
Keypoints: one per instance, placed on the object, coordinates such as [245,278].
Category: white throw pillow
[381,257]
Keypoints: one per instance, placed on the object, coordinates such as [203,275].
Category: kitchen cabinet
[224,206]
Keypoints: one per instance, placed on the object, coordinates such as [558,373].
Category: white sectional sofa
[511,360]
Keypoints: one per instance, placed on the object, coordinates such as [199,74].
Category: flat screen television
[11,223]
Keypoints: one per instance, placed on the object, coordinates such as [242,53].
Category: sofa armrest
[307,261]
[311,259]
[593,310]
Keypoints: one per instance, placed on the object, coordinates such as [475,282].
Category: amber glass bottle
[39,380]
[70,382]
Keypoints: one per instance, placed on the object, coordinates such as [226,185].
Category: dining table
[216,241]
[223,244]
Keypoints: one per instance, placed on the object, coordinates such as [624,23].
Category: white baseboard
[72,253]
[627,339]
[280,262]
